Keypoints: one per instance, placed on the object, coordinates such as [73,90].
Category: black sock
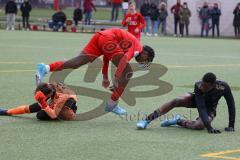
[3,112]
[152,116]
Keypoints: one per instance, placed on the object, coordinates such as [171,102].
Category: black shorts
[193,102]
[211,114]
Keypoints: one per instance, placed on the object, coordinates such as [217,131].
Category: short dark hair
[209,78]
[150,51]
[44,88]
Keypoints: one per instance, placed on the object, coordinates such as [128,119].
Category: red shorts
[106,45]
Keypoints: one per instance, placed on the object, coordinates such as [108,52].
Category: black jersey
[206,103]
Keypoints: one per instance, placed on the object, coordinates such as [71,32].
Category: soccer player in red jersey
[134,21]
[117,46]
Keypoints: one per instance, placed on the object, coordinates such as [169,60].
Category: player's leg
[182,101]
[73,63]
[119,89]
[195,125]
[89,54]
[24,109]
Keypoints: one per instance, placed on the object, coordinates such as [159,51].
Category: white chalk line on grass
[168,66]
[82,45]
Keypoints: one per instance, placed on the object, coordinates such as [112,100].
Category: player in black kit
[205,97]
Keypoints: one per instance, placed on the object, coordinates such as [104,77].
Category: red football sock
[56,66]
[117,93]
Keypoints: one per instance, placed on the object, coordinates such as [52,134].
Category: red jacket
[117,1]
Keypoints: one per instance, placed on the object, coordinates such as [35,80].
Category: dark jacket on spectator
[154,12]
[205,13]
[185,15]
[59,17]
[77,14]
[176,9]
[236,20]
[26,9]
[163,13]
[11,7]
[145,10]
[215,14]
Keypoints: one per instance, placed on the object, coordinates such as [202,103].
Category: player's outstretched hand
[229,129]
[105,83]
[214,131]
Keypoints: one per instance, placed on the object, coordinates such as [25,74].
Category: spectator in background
[77,15]
[26,9]
[236,21]
[215,14]
[185,15]
[163,13]
[58,20]
[88,7]
[154,18]
[11,11]
[115,9]
[125,7]
[205,15]
[175,11]
[134,21]
[146,13]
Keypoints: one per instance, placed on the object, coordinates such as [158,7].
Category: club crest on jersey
[109,47]
[125,44]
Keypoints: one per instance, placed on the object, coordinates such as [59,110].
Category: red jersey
[112,42]
[134,21]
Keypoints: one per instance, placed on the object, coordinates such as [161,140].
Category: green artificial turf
[111,137]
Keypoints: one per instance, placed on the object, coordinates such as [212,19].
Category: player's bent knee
[34,108]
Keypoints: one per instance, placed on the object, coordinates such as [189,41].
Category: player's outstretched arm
[231,108]
[201,106]
[105,81]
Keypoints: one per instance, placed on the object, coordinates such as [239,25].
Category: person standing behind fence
[205,15]
[77,15]
[146,13]
[134,20]
[236,21]
[163,14]
[175,11]
[10,11]
[25,9]
[185,15]
[215,14]
[88,7]
[116,4]
[154,19]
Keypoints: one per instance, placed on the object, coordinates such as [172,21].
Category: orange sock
[19,110]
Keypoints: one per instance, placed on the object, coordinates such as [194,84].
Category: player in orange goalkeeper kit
[53,101]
